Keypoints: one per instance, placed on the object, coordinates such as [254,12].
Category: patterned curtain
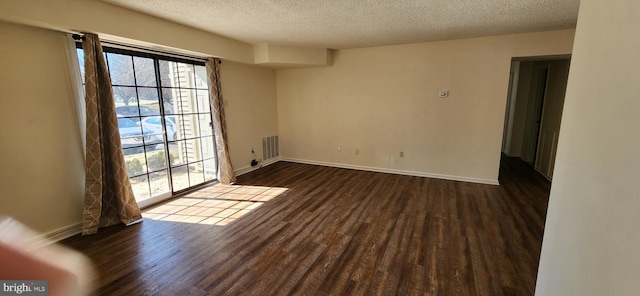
[219,125]
[108,197]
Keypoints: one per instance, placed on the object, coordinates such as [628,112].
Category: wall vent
[270,147]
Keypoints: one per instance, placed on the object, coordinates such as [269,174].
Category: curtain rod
[79,37]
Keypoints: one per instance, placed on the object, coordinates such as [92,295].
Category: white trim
[135,222]
[248,169]
[392,171]
[62,233]
[145,203]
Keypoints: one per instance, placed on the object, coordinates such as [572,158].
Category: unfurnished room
[319,147]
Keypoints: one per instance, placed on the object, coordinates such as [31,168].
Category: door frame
[539,101]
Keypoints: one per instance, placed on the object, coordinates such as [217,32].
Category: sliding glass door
[165,122]
[188,118]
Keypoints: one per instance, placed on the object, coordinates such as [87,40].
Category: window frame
[156,56]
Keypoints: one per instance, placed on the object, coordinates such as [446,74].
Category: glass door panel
[164,120]
[184,88]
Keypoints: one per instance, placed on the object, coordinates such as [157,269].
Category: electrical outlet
[339,148]
[401,153]
[357,151]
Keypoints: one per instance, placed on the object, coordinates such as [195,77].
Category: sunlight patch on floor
[214,205]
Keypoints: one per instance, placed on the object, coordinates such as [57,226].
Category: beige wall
[250,104]
[383,100]
[123,25]
[41,156]
[96,16]
[591,237]
[271,54]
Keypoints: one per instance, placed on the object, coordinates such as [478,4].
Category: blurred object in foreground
[26,257]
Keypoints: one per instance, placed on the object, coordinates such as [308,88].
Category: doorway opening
[535,100]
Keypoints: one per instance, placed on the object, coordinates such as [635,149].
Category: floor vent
[270,147]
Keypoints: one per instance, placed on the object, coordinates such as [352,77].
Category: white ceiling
[339,24]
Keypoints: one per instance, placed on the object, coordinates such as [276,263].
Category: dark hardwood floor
[295,229]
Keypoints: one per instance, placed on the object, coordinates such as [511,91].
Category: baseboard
[392,171]
[542,174]
[248,169]
[62,233]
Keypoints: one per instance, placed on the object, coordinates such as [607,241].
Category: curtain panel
[225,171]
[108,198]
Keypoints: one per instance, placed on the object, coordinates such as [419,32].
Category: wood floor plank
[296,229]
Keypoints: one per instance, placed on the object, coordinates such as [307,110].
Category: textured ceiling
[341,24]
